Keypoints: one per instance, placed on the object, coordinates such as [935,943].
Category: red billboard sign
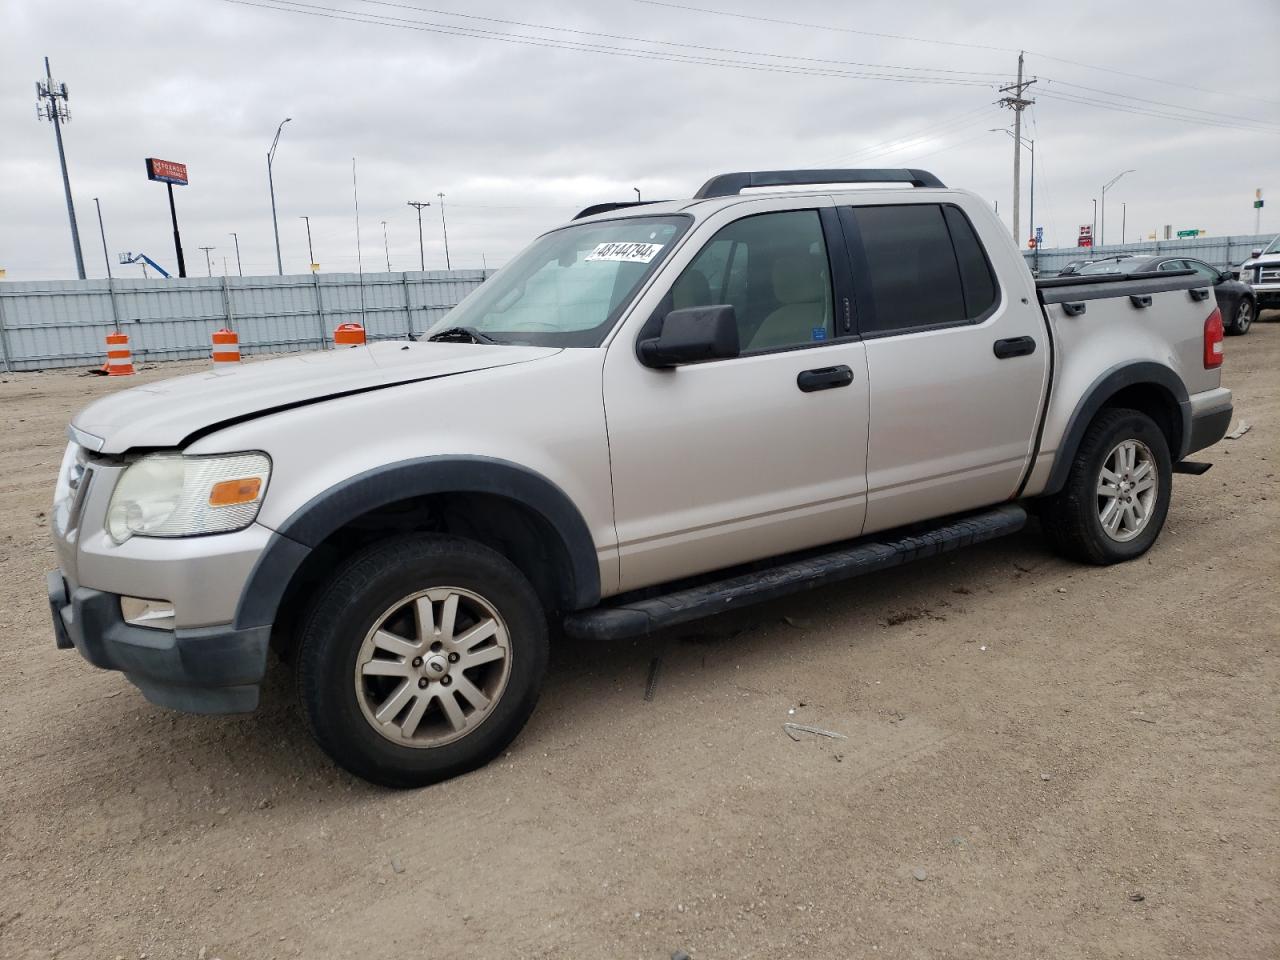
[1086,236]
[167,171]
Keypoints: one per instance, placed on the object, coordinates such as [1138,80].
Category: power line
[673,43]
[905,139]
[949,43]
[1125,108]
[1161,103]
[341,14]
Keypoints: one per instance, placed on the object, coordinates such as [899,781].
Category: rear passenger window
[926,267]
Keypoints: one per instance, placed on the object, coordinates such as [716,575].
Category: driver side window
[773,269]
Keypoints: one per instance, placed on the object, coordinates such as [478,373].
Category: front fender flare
[329,511]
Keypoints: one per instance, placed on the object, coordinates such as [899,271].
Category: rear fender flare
[1095,398]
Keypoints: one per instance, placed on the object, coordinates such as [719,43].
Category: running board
[636,618]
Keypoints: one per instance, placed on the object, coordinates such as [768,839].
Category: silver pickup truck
[654,413]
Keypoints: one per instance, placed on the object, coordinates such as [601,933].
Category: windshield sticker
[625,252]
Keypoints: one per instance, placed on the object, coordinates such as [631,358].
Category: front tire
[421,659]
[1117,493]
[1243,320]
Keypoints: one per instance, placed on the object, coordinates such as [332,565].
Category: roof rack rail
[595,208]
[730,184]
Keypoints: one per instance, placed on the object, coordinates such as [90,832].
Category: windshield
[1131,265]
[568,288]
[1273,246]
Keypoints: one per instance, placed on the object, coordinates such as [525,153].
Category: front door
[722,462]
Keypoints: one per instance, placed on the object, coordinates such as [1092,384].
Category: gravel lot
[1043,760]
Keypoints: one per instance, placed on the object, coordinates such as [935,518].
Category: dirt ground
[1042,760]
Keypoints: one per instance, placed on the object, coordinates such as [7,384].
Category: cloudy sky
[522,112]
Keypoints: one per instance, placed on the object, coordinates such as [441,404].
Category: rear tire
[1117,493]
[420,659]
[1246,310]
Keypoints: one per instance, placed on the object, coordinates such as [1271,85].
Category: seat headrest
[798,278]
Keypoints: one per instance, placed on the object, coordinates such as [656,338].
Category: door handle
[1014,347]
[824,378]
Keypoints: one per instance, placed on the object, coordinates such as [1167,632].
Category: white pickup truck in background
[1262,272]
[654,413]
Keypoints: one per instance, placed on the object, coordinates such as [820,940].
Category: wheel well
[1158,404]
[511,528]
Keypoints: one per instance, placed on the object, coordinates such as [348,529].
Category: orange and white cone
[349,335]
[226,346]
[119,359]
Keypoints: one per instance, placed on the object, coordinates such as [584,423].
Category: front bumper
[214,669]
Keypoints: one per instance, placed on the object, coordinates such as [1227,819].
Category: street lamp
[418,205]
[311,255]
[239,269]
[271,155]
[1109,184]
[445,227]
[637,190]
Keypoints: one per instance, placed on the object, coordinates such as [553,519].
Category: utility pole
[1107,186]
[271,183]
[239,270]
[386,248]
[418,205]
[208,264]
[445,227]
[310,253]
[1017,102]
[57,112]
[102,230]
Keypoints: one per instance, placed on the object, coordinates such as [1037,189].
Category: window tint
[1169,265]
[914,276]
[976,279]
[773,269]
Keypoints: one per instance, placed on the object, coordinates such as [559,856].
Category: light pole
[444,226]
[208,263]
[386,248]
[1107,186]
[102,230]
[237,240]
[271,155]
[311,257]
[1124,215]
[1093,238]
[637,190]
[418,205]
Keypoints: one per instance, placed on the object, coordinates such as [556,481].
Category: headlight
[171,495]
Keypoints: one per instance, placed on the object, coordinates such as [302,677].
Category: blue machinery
[127,258]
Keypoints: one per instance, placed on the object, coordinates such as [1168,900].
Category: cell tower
[51,105]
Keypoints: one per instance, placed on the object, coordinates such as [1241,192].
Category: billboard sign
[167,171]
[1086,236]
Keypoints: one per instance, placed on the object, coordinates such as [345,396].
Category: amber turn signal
[228,493]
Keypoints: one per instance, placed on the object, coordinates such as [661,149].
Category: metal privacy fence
[1222,252]
[63,323]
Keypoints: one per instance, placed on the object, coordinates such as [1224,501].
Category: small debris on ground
[396,865]
[919,874]
[680,955]
[1137,896]
[1045,777]
[652,682]
[1240,431]
[792,728]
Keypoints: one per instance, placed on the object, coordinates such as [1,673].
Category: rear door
[958,360]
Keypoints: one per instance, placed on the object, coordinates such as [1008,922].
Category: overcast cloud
[519,136]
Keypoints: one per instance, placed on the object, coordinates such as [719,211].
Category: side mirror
[1254,255]
[692,335]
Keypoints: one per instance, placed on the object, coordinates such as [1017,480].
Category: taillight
[1213,340]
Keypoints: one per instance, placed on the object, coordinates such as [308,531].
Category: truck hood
[1267,260]
[167,413]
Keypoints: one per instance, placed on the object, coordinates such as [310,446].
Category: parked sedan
[1236,300]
